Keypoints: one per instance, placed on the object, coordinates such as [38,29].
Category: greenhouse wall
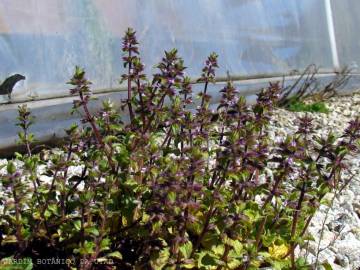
[43,40]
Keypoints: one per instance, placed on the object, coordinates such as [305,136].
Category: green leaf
[160,259]
[190,264]
[92,230]
[234,264]
[47,213]
[86,196]
[122,156]
[252,214]
[210,239]
[54,209]
[87,248]
[207,260]
[175,129]
[327,266]
[280,265]
[115,254]
[302,264]
[79,71]
[105,244]
[77,224]
[103,165]
[172,196]
[11,168]
[186,249]
[268,239]
[238,247]
[218,250]
[18,155]
[110,138]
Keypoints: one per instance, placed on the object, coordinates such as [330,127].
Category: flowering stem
[129,89]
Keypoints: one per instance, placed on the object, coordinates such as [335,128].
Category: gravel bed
[340,245]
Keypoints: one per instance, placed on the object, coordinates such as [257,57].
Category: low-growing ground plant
[307,93]
[172,188]
[300,106]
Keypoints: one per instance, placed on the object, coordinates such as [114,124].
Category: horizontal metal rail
[52,115]
[219,79]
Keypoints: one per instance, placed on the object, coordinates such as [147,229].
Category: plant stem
[294,223]
[129,88]
[96,131]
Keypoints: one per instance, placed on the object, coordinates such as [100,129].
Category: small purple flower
[289,161]
[293,143]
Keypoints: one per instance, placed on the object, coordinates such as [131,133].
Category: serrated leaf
[218,250]
[92,230]
[160,259]
[208,260]
[278,251]
[105,244]
[186,249]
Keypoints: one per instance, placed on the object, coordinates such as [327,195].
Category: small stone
[341,260]
[351,248]
[347,112]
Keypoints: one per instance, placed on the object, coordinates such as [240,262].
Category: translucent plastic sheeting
[347,22]
[45,39]
[52,116]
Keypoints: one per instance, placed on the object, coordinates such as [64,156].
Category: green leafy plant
[300,106]
[174,187]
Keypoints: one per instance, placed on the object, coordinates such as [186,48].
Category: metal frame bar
[220,79]
[331,31]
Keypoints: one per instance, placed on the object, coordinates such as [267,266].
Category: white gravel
[340,245]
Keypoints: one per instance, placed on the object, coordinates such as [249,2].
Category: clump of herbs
[173,188]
